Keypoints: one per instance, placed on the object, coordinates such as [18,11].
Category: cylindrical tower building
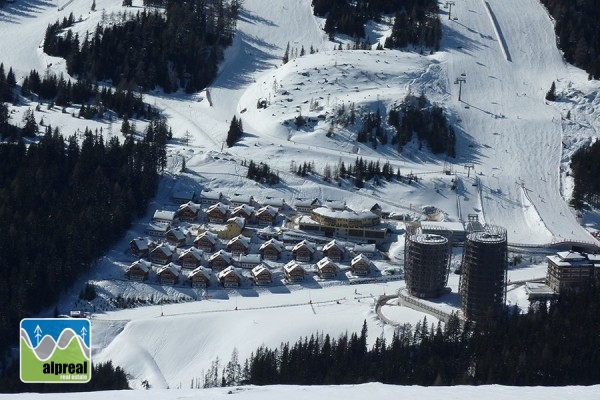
[483,273]
[426,264]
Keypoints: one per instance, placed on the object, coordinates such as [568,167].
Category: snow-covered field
[518,144]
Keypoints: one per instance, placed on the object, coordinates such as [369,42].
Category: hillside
[517,144]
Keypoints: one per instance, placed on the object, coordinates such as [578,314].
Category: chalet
[161,254]
[233,227]
[190,258]
[138,271]
[168,274]
[277,202]
[229,278]
[334,250]
[220,260]
[304,251]
[238,245]
[293,272]
[368,250]
[140,247]
[239,199]
[164,217]
[210,198]
[360,265]
[189,211]
[271,249]
[261,275]
[247,260]
[157,229]
[266,215]
[182,196]
[206,241]
[326,268]
[307,205]
[217,213]
[199,278]
[177,236]
[244,210]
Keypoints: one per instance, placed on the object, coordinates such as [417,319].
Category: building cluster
[225,248]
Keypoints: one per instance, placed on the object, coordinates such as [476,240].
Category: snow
[518,145]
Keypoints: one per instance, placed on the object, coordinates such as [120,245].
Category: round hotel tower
[426,265]
[483,273]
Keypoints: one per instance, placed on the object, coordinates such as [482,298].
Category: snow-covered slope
[354,392]
[518,145]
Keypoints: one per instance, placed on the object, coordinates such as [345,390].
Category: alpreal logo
[56,350]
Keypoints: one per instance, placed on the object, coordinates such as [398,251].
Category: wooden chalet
[138,271]
[326,269]
[190,258]
[238,245]
[189,211]
[238,199]
[140,247]
[210,198]
[271,249]
[220,260]
[164,217]
[233,227]
[334,250]
[168,274]
[244,210]
[229,278]
[177,236]
[261,275]
[206,241]
[161,254]
[304,251]
[360,265]
[199,278]
[293,272]
[266,215]
[217,213]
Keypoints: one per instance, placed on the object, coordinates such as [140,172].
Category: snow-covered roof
[333,243]
[239,221]
[141,264]
[274,202]
[164,248]
[365,248]
[184,194]
[223,208]
[179,233]
[345,214]
[360,257]
[164,215]
[275,243]
[221,253]
[241,198]
[324,262]
[249,258]
[211,195]
[241,238]
[310,245]
[158,227]
[245,208]
[212,237]
[335,204]
[307,202]
[259,269]
[571,255]
[191,205]
[141,243]
[267,209]
[228,271]
[443,225]
[197,253]
[174,269]
[199,271]
[292,265]
[556,259]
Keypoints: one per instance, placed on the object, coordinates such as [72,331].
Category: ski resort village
[317,181]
